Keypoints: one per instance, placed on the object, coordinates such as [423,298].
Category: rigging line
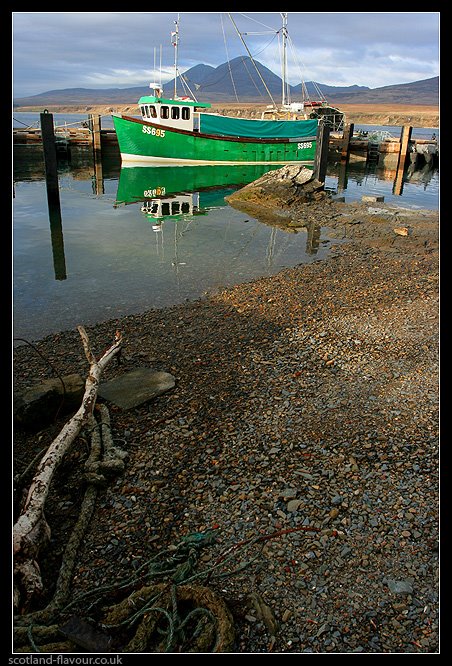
[185,85]
[252,60]
[256,21]
[257,229]
[26,125]
[303,84]
[227,58]
[242,60]
[56,126]
[251,77]
[79,122]
[204,87]
[266,46]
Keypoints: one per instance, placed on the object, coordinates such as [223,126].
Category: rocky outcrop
[291,184]
[278,194]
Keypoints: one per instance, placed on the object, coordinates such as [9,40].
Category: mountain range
[237,80]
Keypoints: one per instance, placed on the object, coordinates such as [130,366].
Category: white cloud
[126,77]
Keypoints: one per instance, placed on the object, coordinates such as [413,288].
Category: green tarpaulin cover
[258,129]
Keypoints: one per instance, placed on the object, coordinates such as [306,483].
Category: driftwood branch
[31,529]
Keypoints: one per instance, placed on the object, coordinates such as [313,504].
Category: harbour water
[149,237]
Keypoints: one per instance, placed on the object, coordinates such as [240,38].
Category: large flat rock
[38,406]
[136,387]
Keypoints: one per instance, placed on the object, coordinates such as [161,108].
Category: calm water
[127,240]
[102,259]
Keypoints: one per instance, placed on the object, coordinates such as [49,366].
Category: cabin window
[145,111]
[164,112]
[153,112]
[175,113]
[185,113]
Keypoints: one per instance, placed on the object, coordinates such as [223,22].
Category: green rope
[198,611]
[30,638]
[170,633]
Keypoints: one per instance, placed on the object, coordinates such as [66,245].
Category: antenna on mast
[157,87]
[175,43]
[284,99]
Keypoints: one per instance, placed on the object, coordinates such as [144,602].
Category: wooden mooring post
[342,179]
[95,125]
[53,194]
[50,156]
[321,153]
[404,143]
[346,138]
[56,234]
[312,238]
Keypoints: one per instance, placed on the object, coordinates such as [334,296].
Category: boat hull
[141,141]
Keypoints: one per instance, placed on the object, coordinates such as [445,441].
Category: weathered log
[62,589]
[31,528]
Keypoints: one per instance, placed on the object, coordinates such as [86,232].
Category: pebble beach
[301,435]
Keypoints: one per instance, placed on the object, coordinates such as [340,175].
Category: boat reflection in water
[140,183]
[185,192]
[176,207]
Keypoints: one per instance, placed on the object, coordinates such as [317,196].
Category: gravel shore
[302,431]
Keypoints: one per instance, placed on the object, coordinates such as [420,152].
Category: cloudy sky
[56,50]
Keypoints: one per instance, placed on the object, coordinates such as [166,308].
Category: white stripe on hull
[137,159]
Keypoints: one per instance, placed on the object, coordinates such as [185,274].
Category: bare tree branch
[31,529]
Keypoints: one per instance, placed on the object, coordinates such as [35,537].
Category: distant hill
[88,96]
[214,84]
[312,87]
[418,92]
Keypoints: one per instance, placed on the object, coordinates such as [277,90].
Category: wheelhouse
[179,113]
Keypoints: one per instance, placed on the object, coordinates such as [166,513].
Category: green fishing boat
[180,130]
[180,133]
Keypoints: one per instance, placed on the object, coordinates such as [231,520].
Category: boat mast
[251,58]
[284,99]
[175,42]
